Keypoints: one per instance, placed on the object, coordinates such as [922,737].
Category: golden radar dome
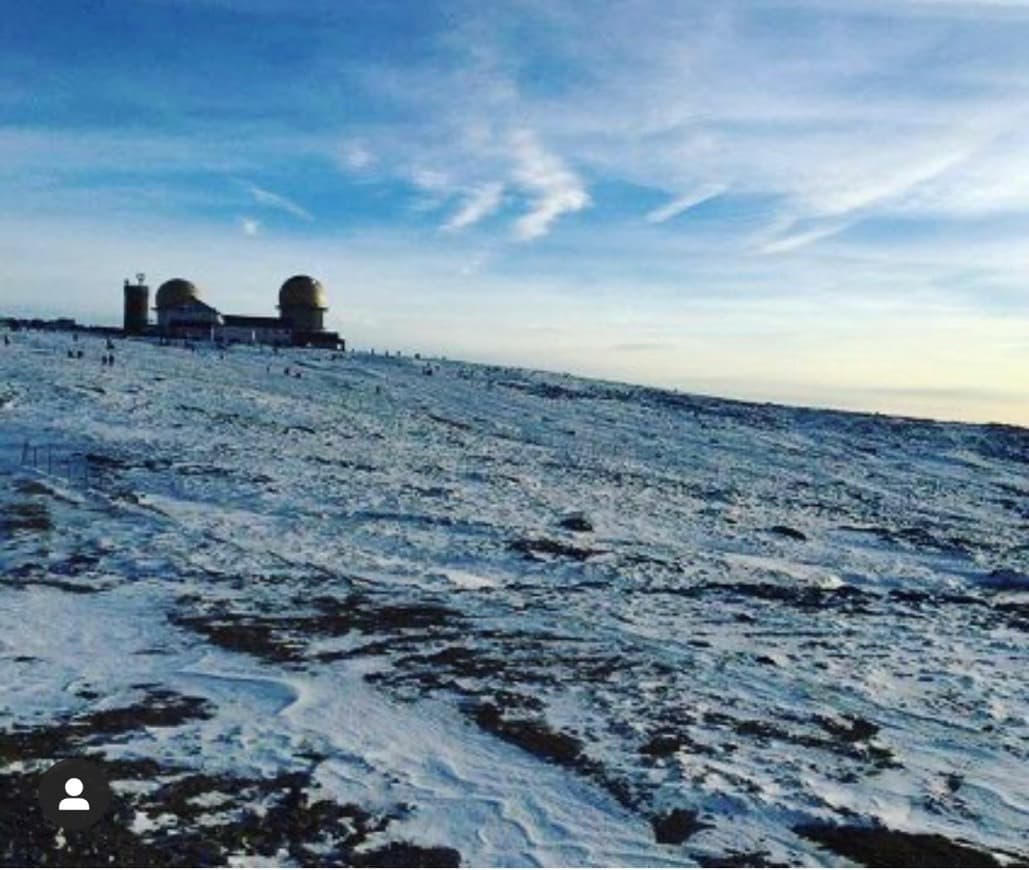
[177,291]
[303,291]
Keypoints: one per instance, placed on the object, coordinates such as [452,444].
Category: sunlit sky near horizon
[818,202]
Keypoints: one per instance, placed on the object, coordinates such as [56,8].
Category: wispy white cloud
[828,110]
[478,204]
[431,180]
[355,156]
[554,188]
[791,241]
[681,204]
[884,179]
[278,201]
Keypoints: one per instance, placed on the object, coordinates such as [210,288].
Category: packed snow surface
[532,618]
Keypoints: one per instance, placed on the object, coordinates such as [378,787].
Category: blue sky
[808,201]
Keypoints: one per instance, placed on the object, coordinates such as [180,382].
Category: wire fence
[90,468]
[53,459]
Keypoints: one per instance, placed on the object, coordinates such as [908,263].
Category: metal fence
[53,459]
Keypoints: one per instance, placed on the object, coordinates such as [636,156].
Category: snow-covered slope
[526,617]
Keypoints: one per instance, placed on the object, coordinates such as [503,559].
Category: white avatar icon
[74,803]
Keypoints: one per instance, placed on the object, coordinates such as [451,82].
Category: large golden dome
[303,291]
[177,291]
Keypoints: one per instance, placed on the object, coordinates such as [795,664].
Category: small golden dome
[177,291]
[303,291]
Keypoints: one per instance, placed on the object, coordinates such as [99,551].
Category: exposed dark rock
[158,708]
[576,523]
[676,826]
[541,548]
[454,424]
[882,847]
[1007,578]
[857,729]
[739,859]
[405,854]
[546,390]
[25,517]
[533,735]
[848,740]
[286,638]
[847,598]
[788,532]
[665,744]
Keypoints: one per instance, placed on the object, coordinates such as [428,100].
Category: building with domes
[302,301]
[174,292]
[182,313]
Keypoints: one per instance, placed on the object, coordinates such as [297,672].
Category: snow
[892,594]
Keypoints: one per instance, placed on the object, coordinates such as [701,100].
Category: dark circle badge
[74,794]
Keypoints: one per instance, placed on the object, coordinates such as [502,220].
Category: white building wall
[254,335]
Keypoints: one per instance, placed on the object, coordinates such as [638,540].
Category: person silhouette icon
[63,790]
[73,803]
